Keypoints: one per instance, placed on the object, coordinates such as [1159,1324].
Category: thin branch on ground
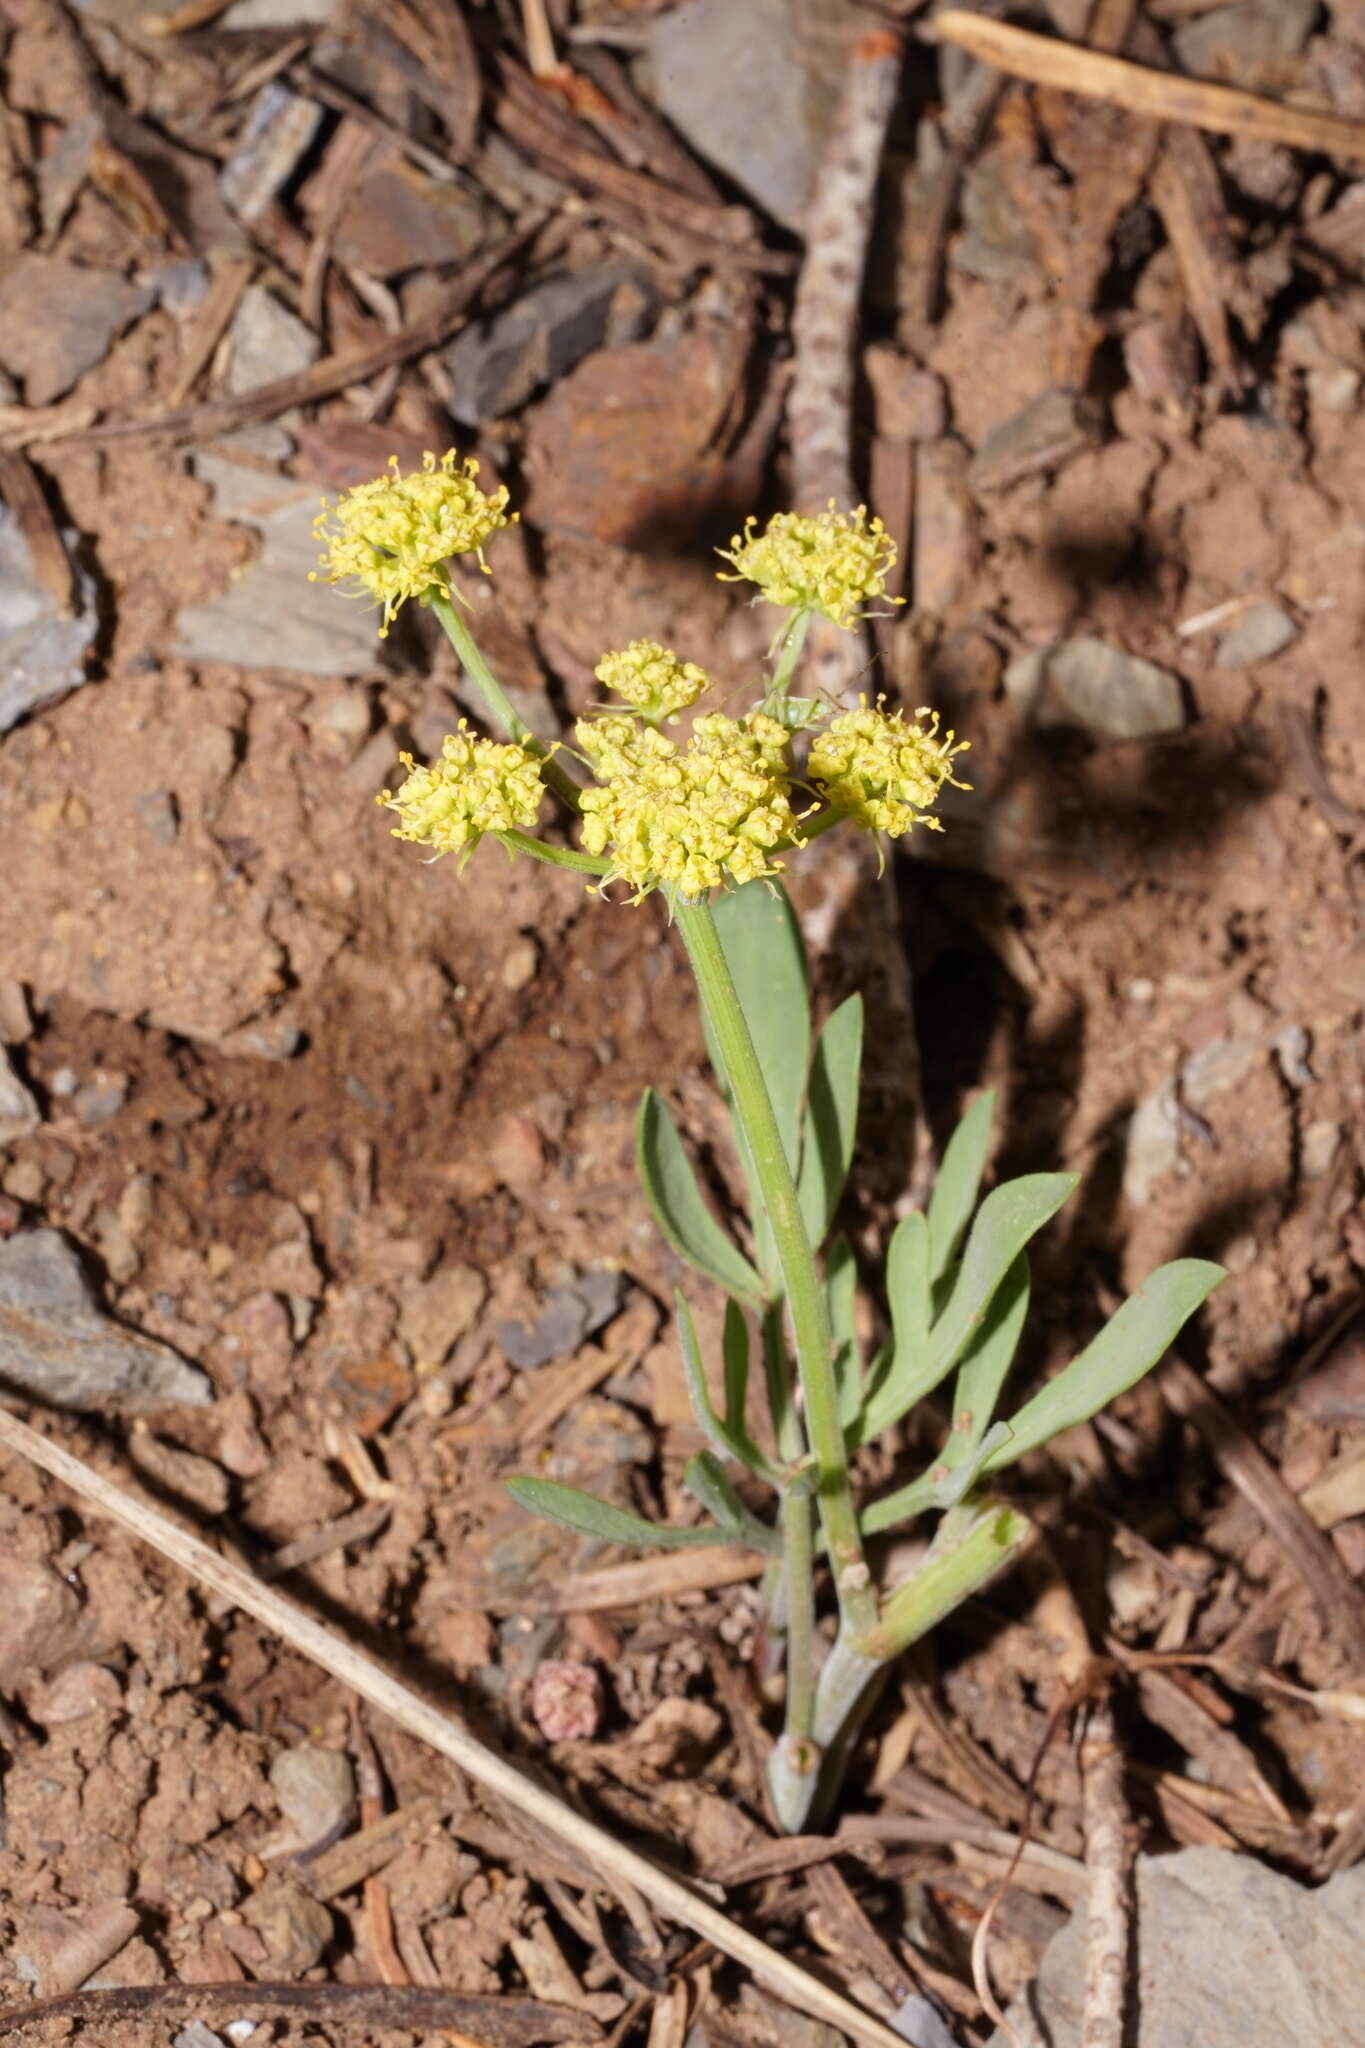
[622,1869]
[1159,95]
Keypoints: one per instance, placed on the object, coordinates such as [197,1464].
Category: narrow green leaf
[1130,1344]
[908,1297]
[841,1289]
[979,1380]
[1007,1219]
[679,1206]
[831,1118]
[762,944]
[958,1182]
[733,1440]
[583,1512]
[989,1357]
[707,1482]
[735,1354]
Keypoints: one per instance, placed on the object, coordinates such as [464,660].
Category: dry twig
[1314,1557]
[619,1867]
[1159,95]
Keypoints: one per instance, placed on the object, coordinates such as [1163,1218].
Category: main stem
[796,1259]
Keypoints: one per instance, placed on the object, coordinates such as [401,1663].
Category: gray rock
[271,616]
[196,2035]
[266,341]
[19,1114]
[42,649]
[737,83]
[1248,44]
[1087,683]
[57,1344]
[316,1791]
[180,287]
[1263,629]
[159,814]
[1229,1955]
[495,365]
[57,320]
[279,14]
[568,1318]
[279,129]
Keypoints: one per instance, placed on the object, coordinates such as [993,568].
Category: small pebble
[566,1700]
[1261,630]
[101,1098]
[315,1789]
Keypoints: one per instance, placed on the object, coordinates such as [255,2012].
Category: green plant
[711,824]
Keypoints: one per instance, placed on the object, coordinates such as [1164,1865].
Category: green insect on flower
[834,562]
[394,536]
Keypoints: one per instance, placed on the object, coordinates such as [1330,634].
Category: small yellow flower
[394,536]
[477,786]
[697,818]
[881,772]
[619,743]
[652,679]
[835,563]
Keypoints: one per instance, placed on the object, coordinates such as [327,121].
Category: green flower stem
[498,703]
[553,856]
[793,640]
[790,1593]
[801,1281]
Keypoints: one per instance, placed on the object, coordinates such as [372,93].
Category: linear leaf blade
[680,1208]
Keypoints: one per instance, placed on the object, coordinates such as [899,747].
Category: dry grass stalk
[620,1868]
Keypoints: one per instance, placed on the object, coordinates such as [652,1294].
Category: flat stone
[316,1791]
[495,365]
[397,219]
[19,1113]
[1255,44]
[743,86]
[57,320]
[1104,691]
[279,130]
[42,649]
[1263,629]
[271,616]
[1229,1954]
[1047,432]
[57,1344]
[266,341]
[567,1319]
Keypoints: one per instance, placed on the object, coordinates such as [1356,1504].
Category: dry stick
[825,322]
[333,373]
[616,1864]
[1106,1924]
[502,2022]
[1160,95]
[1313,1555]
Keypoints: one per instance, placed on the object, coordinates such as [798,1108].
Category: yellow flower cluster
[695,818]
[393,536]
[882,773]
[835,563]
[652,679]
[477,786]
